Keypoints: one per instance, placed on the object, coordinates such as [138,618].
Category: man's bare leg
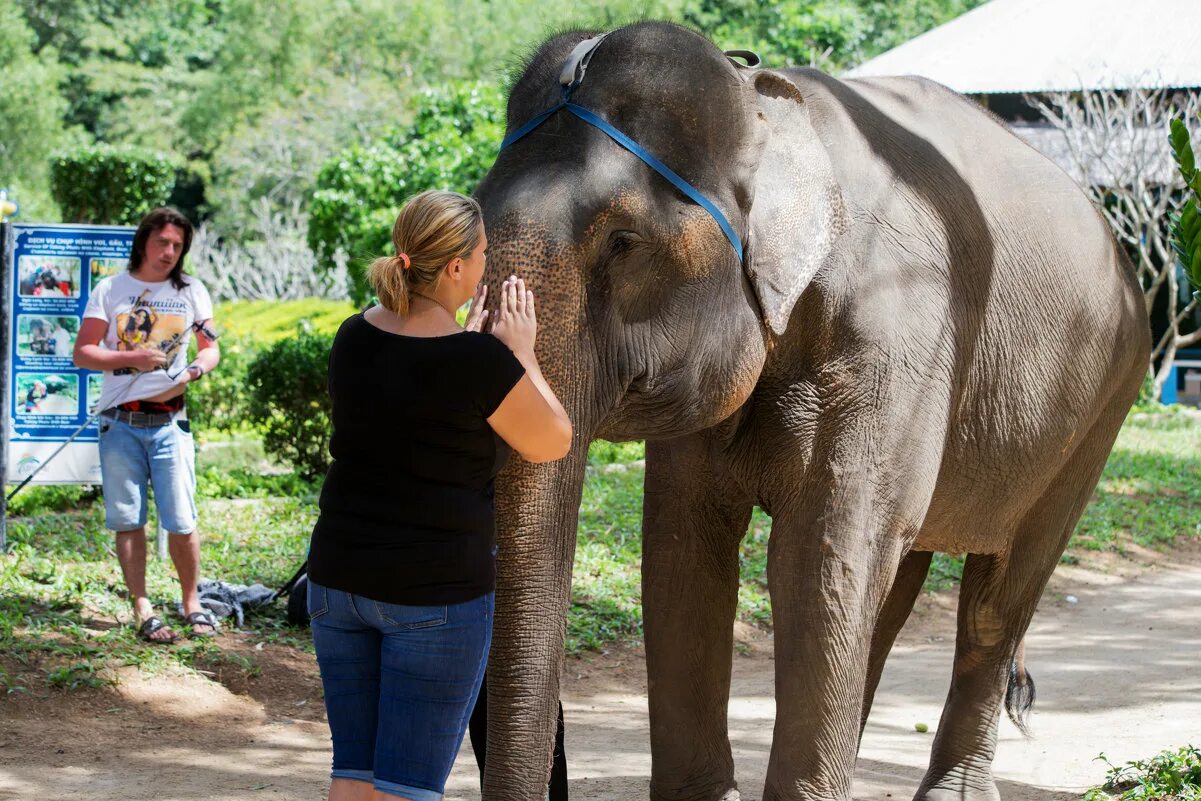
[131,553]
[185,554]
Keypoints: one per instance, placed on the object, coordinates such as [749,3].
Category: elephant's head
[650,325]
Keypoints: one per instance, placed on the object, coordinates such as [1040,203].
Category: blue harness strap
[626,142]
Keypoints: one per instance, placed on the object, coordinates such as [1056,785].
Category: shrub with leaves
[1168,776]
[1186,226]
[110,185]
[289,401]
[450,145]
[221,402]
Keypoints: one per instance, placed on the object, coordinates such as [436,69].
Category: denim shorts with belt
[400,683]
[139,449]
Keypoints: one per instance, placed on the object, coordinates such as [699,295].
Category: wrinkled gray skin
[931,347]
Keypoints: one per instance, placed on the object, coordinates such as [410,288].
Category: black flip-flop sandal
[204,618]
[152,624]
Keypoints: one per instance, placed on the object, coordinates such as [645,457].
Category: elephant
[928,343]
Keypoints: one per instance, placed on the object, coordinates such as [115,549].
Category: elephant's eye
[620,242]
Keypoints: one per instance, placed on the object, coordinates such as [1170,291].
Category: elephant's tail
[1019,695]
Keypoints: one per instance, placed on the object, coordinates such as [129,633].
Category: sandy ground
[1118,671]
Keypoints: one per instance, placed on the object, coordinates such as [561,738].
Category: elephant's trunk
[537,506]
[537,510]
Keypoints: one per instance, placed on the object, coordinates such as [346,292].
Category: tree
[450,145]
[831,34]
[128,68]
[1114,145]
[32,111]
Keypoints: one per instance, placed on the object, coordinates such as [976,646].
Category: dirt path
[1118,671]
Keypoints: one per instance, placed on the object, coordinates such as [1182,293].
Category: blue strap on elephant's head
[570,77]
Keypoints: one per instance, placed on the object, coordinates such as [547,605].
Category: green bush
[289,401]
[450,145]
[106,184]
[1169,775]
[221,401]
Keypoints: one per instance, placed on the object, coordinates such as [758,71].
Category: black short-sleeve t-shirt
[407,513]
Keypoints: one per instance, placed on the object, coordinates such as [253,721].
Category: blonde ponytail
[431,230]
[387,277]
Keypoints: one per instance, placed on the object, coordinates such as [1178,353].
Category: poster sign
[54,268]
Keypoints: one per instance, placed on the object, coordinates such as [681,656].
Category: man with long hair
[136,329]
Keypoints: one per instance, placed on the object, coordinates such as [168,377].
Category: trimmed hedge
[110,185]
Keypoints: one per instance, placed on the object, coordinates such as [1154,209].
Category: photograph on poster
[48,276]
[46,336]
[47,393]
[95,385]
[103,268]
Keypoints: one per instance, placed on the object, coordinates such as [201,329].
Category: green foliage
[1186,226]
[221,402]
[32,111]
[62,590]
[113,185]
[129,68]
[290,403]
[265,322]
[38,499]
[450,145]
[255,95]
[833,34]
[1150,490]
[1167,776]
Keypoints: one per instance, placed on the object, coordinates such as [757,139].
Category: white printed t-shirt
[143,315]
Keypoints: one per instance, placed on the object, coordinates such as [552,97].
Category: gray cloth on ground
[224,600]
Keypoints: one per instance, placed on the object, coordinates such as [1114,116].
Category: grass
[1150,492]
[61,592]
[268,321]
[1167,776]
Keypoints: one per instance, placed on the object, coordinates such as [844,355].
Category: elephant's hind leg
[693,520]
[910,577]
[998,597]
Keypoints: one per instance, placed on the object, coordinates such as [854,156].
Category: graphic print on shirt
[151,324]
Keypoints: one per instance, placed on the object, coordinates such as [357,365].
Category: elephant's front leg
[693,522]
[831,559]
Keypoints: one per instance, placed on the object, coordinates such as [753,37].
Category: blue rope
[632,146]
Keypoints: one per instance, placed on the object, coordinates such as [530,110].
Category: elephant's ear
[796,211]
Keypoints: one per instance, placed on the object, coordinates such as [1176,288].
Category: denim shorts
[132,458]
[400,683]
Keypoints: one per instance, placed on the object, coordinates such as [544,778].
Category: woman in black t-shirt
[401,563]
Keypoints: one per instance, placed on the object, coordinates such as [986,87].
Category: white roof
[1055,45]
